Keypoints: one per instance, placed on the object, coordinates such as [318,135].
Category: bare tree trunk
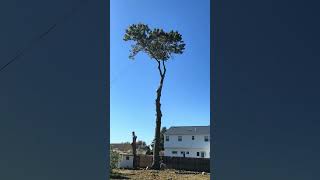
[134,152]
[156,149]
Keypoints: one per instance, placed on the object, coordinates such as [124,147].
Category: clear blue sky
[186,92]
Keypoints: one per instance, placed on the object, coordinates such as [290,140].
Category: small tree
[160,46]
[114,159]
[141,144]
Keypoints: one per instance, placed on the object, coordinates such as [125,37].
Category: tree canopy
[157,43]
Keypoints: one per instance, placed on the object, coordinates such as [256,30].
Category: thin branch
[159,68]
[164,68]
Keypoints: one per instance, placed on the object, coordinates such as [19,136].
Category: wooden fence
[180,163]
[144,161]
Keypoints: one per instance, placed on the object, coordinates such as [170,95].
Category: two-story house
[187,141]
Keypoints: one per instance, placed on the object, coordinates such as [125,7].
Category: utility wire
[41,36]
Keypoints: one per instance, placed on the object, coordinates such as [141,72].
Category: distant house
[121,147]
[125,161]
[127,148]
[125,152]
[187,141]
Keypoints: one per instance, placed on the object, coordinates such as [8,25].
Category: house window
[127,157]
[174,152]
[206,138]
[183,153]
[202,154]
[179,138]
[167,138]
[198,153]
[192,137]
[187,152]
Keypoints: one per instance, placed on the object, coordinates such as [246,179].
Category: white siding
[192,152]
[187,145]
[124,163]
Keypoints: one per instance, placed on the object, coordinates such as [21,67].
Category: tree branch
[159,68]
[164,68]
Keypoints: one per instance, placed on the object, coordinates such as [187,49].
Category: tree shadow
[117,175]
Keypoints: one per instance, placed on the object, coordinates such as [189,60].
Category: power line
[41,36]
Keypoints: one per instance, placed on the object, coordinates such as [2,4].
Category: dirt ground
[161,175]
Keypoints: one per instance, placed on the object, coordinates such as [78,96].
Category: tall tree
[134,150]
[159,46]
[163,130]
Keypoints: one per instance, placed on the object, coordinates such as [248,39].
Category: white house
[187,141]
[125,160]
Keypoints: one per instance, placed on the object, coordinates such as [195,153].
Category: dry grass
[161,175]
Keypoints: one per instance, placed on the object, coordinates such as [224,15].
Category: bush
[114,159]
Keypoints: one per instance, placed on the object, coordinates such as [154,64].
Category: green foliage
[114,159]
[157,43]
[141,143]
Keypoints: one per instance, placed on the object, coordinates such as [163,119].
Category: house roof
[125,147]
[188,130]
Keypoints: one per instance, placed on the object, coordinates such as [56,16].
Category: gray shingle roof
[186,130]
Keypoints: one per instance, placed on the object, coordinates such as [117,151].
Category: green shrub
[114,159]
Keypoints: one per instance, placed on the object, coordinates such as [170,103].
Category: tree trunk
[156,149]
[134,152]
